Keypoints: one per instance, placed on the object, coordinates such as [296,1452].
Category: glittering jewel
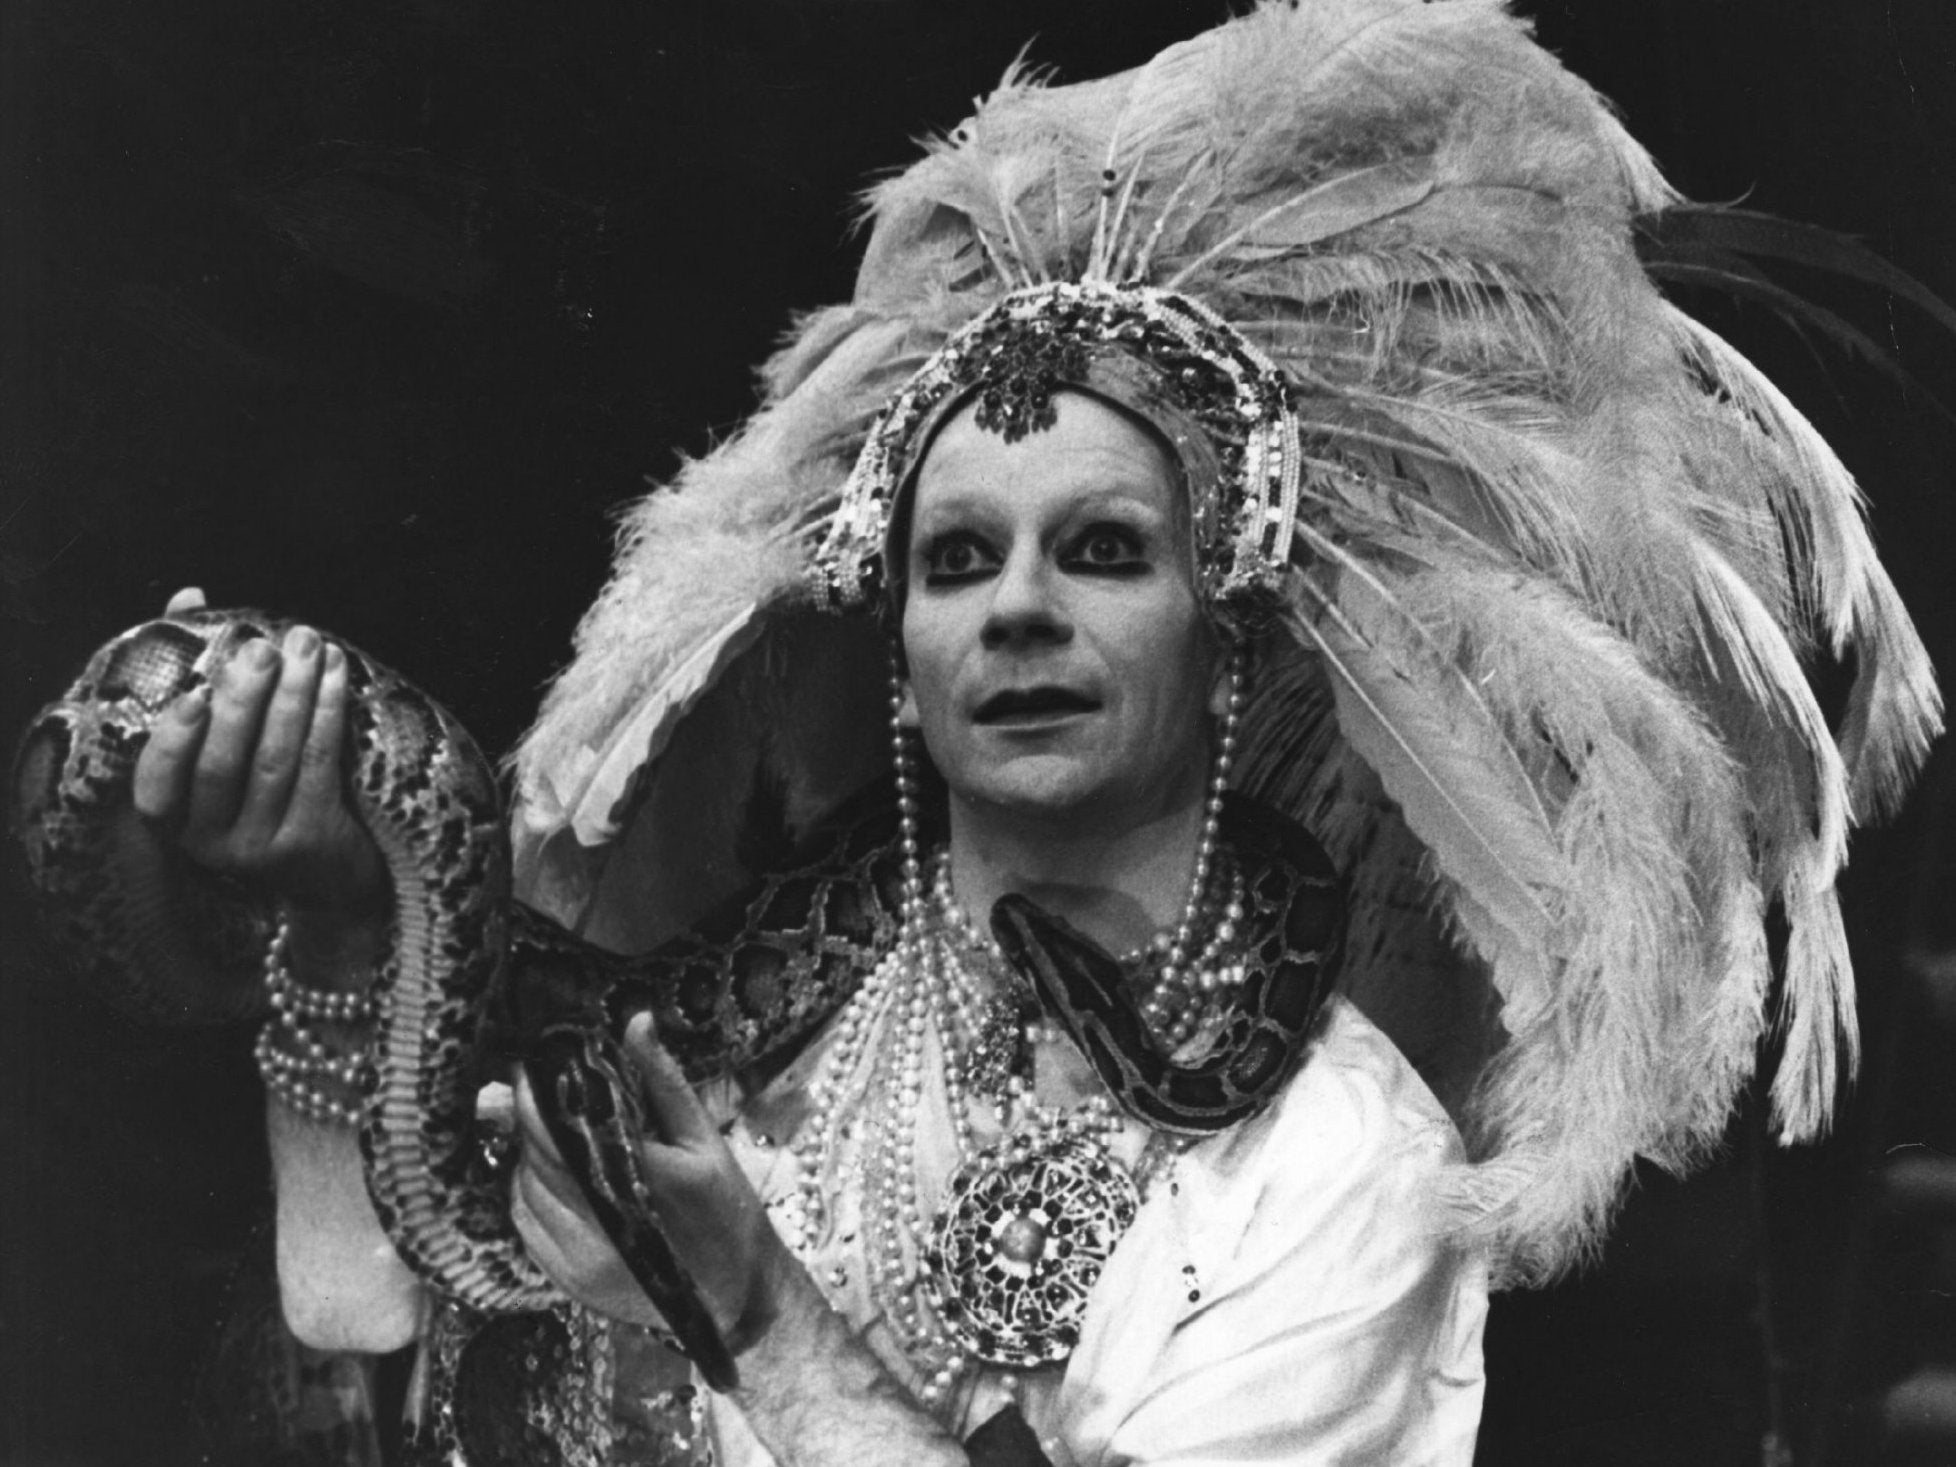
[1018,375]
[1021,1240]
[998,1050]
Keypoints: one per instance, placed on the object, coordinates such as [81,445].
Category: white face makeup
[1059,661]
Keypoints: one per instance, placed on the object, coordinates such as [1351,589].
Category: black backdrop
[373,312]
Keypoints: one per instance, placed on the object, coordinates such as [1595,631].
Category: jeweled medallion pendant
[1021,1240]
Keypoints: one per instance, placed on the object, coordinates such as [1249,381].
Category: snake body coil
[173,944]
[751,982]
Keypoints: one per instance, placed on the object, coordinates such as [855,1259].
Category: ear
[907,709]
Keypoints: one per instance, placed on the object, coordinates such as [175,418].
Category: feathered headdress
[1558,556]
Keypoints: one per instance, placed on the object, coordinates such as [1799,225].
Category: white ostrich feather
[1460,788]
[1538,684]
[1894,709]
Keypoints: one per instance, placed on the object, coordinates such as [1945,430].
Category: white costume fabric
[1285,1294]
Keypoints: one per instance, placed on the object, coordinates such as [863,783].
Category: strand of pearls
[295,1061]
[927,988]
[1184,998]
[1174,1007]
[1184,994]
[918,992]
[1181,996]
[894,984]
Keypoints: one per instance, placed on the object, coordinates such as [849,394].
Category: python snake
[473,978]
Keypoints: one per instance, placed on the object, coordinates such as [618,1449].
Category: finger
[672,1107]
[238,699]
[523,1212]
[538,1144]
[543,1214]
[573,1250]
[164,770]
[317,787]
[555,1191]
[540,1173]
[190,598]
[275,762]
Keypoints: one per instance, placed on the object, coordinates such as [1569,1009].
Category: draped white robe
[1285,1294]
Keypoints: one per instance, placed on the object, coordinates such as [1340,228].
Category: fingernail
[190,707]
[302,641]
[259,653]
[335,659]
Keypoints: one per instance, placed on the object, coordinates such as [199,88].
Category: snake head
[1049,951]
[1290,960]
[1078,981]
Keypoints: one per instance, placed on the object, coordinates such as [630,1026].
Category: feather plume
[1426,733]
[1894,710]
[1822,1039]
[1649,814]
[1753,649]
[1538,679]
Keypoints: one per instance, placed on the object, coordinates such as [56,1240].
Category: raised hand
[245,776]
[679,1166]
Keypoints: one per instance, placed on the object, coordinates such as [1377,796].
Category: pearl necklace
[1183,997]
[919,993]
[294,1059]
[924,989]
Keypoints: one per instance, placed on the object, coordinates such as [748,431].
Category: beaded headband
[1224,407]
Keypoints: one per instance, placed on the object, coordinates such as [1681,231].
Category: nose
[1026,606]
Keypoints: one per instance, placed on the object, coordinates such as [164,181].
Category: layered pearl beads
[295,1062]
[944,985]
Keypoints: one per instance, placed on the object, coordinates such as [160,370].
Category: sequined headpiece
[1222,405]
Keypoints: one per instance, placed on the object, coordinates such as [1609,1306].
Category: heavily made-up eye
[1108,548]
[954,557]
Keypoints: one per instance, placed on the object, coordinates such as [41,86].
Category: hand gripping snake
[473,977]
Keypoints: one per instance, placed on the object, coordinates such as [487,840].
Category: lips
[1033,705]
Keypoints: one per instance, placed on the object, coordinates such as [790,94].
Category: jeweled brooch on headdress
[1019,377]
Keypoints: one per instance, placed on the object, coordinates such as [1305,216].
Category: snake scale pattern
[1294,910]
[474,979]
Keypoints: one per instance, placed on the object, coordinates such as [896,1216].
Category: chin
[1033,784]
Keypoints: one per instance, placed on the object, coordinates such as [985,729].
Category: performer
[1289,416]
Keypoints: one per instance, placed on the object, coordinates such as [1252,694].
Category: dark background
[373,312]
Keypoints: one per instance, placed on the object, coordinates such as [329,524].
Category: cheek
[928,670]
[1178,708]
[1168,659]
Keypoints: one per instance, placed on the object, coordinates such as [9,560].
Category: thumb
[674,1110]
[537,1139]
